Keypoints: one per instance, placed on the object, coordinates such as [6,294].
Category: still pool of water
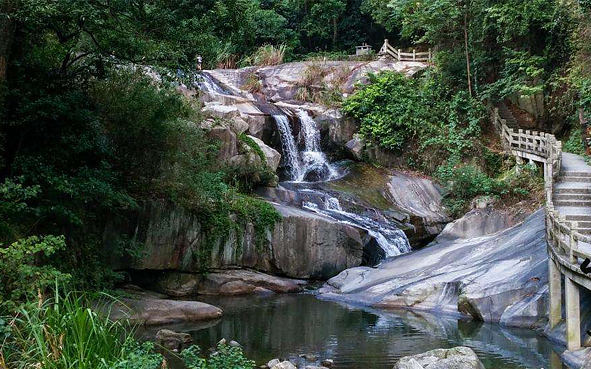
[285,326]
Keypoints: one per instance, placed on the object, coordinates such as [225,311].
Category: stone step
[575,179]
[572,197]
[578,217]
[575,174]
[576,204]
[584,225]
[573,190]
[584,231]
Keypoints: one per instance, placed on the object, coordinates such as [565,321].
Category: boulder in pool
[454,358]
[151,309]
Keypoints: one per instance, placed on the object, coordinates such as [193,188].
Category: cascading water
[391,239]
[207,84]
[311,164]
[313,158]
[290,150]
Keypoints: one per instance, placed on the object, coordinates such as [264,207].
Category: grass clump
[63,332]
[266,55]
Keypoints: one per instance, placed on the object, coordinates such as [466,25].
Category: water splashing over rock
[391,239]
[290,150]
[316,166]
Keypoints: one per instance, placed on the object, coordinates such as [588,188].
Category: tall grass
[266,55]
[63,332]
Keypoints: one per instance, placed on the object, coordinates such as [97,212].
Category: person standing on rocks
[199,62]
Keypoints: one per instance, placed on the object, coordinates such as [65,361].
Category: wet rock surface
[498,278]
[454,358]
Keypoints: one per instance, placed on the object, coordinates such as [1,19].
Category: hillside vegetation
[88,133]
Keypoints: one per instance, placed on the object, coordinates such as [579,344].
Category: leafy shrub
[225,357]
[574,144]
[464,183]
[24,276]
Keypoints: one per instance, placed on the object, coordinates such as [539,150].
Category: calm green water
[286,326]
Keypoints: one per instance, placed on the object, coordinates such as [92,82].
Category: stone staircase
[572,192]
[506,114]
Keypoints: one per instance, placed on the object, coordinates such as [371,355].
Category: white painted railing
[423,56]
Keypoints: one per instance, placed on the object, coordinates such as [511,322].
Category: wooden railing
[562,235]
[397,54]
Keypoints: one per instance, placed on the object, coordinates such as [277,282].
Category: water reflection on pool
[286,326]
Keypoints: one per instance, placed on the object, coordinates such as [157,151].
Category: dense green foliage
[89,134]
[394,109]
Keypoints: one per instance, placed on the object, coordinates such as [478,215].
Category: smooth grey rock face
[302,245]
[273,157]
[454,358]
[420,198]
[481,222]
[284,365]
[498,278]
[227,138]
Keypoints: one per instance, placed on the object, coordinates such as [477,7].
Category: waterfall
[391,239]
[290,150]
[313,158]
[207,84]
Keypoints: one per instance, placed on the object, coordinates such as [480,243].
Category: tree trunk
[467,52]
[334,33]
[6,35]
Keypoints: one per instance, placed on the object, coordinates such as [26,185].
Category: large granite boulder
[281,82]
[482,222]
[223,282]
[272,156]
[302,245]
[147,308]
[454,358]
[228,142]
[497,278]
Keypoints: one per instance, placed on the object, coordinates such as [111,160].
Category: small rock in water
[234,344]
[173,340]
[284,365]
[273,362]
[328,363]
[309,357]
[454,358]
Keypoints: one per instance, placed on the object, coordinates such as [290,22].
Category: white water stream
[391,239]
